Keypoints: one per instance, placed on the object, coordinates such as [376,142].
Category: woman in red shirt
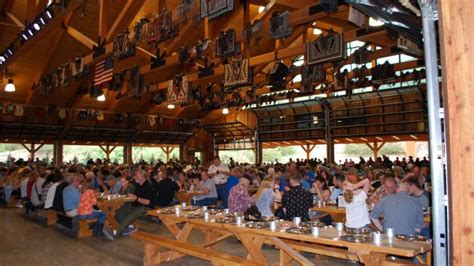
[86,207]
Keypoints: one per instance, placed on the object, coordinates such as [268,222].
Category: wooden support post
[457,51]
[182,152]
[58,152]
[167,150]
[411,148]
[127,153]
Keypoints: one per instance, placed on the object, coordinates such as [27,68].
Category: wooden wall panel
[457,41]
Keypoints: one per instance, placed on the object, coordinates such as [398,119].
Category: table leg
[289,251]
[253,247]
[152,254]
[370,258]
[210,239]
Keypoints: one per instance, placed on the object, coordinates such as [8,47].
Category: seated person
[113,184]
[417,192]
[400,212]
[166,188]
[266,195]
[126,186]
[389,187]
[72,195]
[296,202]
[182,182]
[57,203]
[144,199]
[86,207]
[321,189]
[338,180]
[206,189]
[355,196]
[239,197]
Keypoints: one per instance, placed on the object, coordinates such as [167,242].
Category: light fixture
[101,98]
[36,26]
[375,22]
[42,21]
[261,9]
[225,111]
[2,58]
[10,87]
[30,32]
[49,14]
[25,38]
[317,31]
[171,106]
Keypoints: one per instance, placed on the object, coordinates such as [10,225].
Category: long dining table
[109,205]
[290,245]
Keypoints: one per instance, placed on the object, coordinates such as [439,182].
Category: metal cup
[320,203]
[177,211]
[324,204]
[377,237]
[239,220]
[206,216]
[339,227]
[204,208]
[297,221]
[183,205]
[226,211]
[390,232]
[272,225]
[315,231]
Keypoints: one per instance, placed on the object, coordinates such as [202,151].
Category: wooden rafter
[125,17]
[79,36]
[103,7]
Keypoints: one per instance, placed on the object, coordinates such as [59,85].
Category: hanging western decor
[326,48]
[384,73]
[214,8]
[184,7]
[77,66]
[178,90]
[277,76]
[226,44]
[161,28]
[135,82]
[237,74]
[279,27]
[124,45]
[312,74]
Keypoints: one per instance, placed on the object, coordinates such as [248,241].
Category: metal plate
[226,220]
[195,216]
[357,231]
[299,230]
[166,211]
[256,225]
[191,208]
[356,238]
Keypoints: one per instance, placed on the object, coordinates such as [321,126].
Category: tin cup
[177,211]
[324,204]
[239,220]
[320,204]
[183,205]
[315,231]
[204,208]
[297,221]
[390,232]
[272,225]
[206,216]
[339,227]
[226,211]
[377,237]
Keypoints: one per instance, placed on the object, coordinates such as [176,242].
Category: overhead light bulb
[225,111]
[24,37]
[375,22]
[2,58]
[317,31]
[30,32]
[42,21]
[49,14]
[36,26]
[101,98]
[261,9]
[171,106]
[10,87]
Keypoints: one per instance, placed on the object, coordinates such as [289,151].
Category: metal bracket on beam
[429,9]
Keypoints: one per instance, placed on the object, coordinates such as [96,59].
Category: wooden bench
[83,225]
[153,243]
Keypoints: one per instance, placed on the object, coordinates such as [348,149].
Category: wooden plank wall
[457,53]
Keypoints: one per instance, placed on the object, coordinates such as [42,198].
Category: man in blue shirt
[72,196]
[338,179]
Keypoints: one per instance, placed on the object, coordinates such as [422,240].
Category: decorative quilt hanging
[384,73]
[184,7]
[226,44]
[178,90]
[279,27]
[124,45]
[312,74]
[63,75]
[215,8]
[237,74]
[326,48]
[161,28]
[77,66]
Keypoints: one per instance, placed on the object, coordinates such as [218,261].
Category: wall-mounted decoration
[161,28]
[326,48]
[178,90]
[279,27]
[227,44]
[237,74]
[215,8]
[277,78]
[312,74]
[124,45]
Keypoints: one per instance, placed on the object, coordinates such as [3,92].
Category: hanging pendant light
[225,111]
[101,98]
[171,106]
[10,87]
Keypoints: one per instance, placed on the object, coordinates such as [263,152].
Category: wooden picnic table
[290,245]
[110,207]
[338,214]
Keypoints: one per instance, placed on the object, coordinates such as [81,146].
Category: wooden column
[182,152]
[308,149]
[457,53]
[107,150]
[58,152]
[167,150]
[127,153]
[375,148]
[411,148]
[32,149]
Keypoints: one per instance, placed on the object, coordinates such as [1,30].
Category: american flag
[104,71]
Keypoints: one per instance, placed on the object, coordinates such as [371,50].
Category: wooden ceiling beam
[79,36]
[104,5]
[297,4]
[15,20]
[125,17]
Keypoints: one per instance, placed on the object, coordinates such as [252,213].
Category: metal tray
[214,211]
[195,216]
[191,208]
[357,231]
[166,211]
[311,224]
[411,238]
[226,220]
[256,225]
[356,238]
[299,230]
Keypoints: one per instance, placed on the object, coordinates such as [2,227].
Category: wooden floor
[25,242]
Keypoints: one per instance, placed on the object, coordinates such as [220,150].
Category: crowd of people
[377,194]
